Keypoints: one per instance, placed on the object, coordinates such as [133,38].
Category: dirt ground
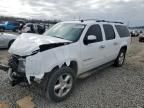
[110,88]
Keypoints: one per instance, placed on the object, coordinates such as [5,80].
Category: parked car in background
[141,37]
[132,34]
[9,25]
[6,40]
[33,28]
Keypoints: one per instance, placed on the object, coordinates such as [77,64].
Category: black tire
[52,80]
[118,62]
[10,43]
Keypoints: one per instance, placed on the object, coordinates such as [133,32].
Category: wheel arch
[124,47]
[10,42]
[72,64]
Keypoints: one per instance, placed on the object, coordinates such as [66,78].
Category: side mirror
[90,39]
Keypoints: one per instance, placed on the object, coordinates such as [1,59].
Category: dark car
[141,37]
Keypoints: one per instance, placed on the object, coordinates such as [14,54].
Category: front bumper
[16,76]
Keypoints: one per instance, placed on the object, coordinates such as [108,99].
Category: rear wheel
[121,58]
[60,84]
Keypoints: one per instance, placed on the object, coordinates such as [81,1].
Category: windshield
[67,31]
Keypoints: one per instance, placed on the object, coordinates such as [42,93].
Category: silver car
[6,40]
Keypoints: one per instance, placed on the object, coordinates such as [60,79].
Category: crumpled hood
[26,43]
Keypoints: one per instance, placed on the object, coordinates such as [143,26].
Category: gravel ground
[109,88]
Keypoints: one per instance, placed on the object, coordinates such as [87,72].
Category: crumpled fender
[43,62]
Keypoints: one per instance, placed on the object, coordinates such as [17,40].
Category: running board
[95,70]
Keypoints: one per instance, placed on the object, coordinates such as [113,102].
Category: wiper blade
[59,37]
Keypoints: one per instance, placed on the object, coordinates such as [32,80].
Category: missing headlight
[21,65]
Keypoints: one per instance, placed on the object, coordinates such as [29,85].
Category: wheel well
[74,66]
[10,42]
[124,47]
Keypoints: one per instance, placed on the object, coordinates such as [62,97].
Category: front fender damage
[49,57]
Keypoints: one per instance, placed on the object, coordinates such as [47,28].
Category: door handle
[102,46]
[115,43]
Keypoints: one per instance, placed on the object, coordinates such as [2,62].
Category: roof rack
[102,21]
[109,21]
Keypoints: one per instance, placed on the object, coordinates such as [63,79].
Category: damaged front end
[16,71]
[33,56]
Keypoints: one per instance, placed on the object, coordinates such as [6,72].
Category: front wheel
[120,59]
[60,84]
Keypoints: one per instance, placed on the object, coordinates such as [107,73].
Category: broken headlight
[21,65]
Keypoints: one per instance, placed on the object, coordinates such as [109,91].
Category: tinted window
[96,31]
[122,31]
[109,32]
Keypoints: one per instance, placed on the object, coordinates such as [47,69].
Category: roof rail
[109,21]
[102,21]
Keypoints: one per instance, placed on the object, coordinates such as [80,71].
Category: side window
[96,31]
[109,31]
[122,31]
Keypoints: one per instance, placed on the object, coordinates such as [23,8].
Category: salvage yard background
[109,88]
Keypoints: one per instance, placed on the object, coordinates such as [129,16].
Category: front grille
[13,62]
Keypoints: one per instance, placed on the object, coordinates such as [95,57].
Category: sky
[128,11]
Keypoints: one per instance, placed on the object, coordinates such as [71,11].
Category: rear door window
[122,30]
[109,31]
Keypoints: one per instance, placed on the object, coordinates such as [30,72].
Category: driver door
[93,52]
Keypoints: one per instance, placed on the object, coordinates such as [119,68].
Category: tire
[60,84]
[121,58]
[10,43]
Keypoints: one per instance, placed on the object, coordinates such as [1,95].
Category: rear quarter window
[122,31]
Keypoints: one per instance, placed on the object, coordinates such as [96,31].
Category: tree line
[6,18]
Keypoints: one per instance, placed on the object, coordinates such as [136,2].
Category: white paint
[28,42]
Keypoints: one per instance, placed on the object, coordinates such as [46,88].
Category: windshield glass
[67,31]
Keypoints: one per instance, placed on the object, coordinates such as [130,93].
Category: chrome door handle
[102,46]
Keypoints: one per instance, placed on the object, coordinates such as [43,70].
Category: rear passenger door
[111,42]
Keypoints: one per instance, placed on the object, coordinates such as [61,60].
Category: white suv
[65,52]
